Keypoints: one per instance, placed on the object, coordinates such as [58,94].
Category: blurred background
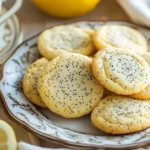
[33,20]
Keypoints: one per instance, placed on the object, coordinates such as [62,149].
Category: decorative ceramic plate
[21,134]
[77,133]
[10,36]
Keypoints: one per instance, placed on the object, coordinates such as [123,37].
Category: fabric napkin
[25,146]
[138,10]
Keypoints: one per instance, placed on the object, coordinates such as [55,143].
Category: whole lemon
[66,8]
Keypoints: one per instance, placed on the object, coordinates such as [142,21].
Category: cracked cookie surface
[121,37]
[60,40]
[121,71]
[144,94]
[30,79]
[121,115]
[68,87]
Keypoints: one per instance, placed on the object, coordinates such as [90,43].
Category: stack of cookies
[104,72]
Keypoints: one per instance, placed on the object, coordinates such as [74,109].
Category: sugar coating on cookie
[121,71]
[144,94]
[121,37]
[30,81]
[68,87]
[121,115]
[60,40]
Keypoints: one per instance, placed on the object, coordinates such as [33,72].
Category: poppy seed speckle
[144,94]
[122,114]
[75,86]
[30,81]
[121,71]
[63,39]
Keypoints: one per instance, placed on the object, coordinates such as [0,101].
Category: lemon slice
[7,137]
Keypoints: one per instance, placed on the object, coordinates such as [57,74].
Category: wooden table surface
[33,21]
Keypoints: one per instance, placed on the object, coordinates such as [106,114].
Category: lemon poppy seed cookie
[121,37]
[30,81]
[121,115]
[63,39]
[144,94]
[121,71]
[146,56]
[68,87]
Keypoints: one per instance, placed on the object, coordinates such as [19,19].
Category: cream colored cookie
[121,115]
[145,94]
[121,37]
[68,87]
[146,56]
[30,81]
[121,71]
[60,40]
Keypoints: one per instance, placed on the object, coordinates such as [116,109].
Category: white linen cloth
[138,10]
[25,146]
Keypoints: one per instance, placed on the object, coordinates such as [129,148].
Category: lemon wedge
[7,137]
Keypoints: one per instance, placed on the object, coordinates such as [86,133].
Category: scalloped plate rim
[64,142]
